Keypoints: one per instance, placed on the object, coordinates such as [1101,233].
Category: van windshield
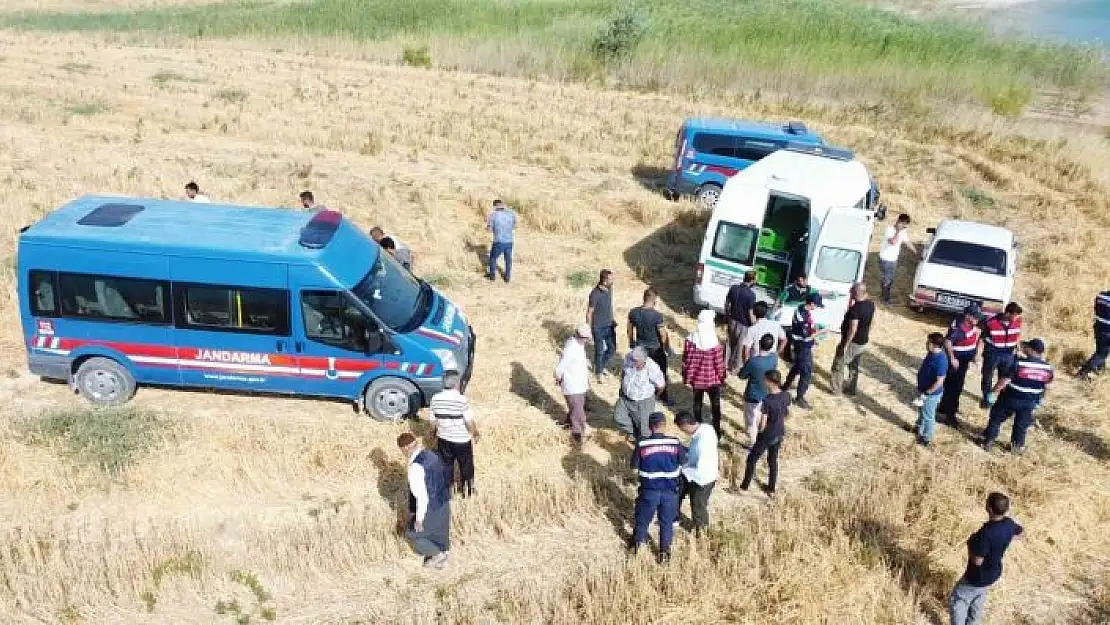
[735,243]
[837,265]
[397,297]
[969,256]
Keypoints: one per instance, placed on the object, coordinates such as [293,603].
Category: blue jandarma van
[116,292]
[709,151]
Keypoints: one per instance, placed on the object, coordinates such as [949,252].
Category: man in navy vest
[1001,335]
[429,502]
[1020,390]
[658,460]
[1102,337]
[962,345]
[803,336]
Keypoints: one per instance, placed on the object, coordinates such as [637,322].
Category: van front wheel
[391,399]
[104,382]
[707,196]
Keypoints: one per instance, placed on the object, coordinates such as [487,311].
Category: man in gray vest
[429,503]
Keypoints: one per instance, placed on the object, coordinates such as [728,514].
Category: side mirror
[931,230]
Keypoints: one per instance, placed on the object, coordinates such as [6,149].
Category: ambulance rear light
[319,231]
[700,274]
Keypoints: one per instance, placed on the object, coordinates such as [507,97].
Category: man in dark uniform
[1097,361]
[962,345]
[1001,335]
[1020,391]
[803,337]
[658,460]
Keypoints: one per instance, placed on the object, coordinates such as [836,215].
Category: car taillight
[700,274]
[924,293]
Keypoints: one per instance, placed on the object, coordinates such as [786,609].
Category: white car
[965,263]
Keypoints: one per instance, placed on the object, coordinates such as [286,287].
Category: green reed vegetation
[833,47]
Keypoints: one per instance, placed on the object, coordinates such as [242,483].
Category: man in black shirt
[772,429]
[855,332]
[985,549]
[648,329]
[738,310]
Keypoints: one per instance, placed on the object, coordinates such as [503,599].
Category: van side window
[752,150]
[257,311]
[717,145]
[118,299]
[333,319]
[43,300]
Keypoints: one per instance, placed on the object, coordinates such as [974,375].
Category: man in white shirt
[192,191]
[762,326]
[641,382]
[572,374]
[894,239]
[429,502]
[699,475]
[455,431]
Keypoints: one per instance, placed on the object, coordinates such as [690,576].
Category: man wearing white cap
[641,382]
[572,374]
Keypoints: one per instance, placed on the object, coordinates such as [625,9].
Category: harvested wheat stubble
[302,495]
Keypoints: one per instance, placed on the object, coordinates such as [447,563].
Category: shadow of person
[605,481]
[558,333]
[480,251]
[913,569]
[1089,443]
[392,486]
[525,386]
[879,371]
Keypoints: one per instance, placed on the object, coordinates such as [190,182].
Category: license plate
[950,300]
[724,279]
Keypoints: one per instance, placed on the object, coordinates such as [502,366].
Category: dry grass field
[253,509]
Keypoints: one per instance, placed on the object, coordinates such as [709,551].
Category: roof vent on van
[796,128]
[110,215]
[320,229]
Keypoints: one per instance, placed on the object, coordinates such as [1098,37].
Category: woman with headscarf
[703,366]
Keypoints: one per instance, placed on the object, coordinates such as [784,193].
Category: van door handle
[281,346]
[299,346]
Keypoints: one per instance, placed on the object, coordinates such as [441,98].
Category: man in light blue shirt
[501,222]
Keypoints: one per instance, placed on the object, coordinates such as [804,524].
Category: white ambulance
[797,211]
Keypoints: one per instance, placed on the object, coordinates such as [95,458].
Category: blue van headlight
[447,359]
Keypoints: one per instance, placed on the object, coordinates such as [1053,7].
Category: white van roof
[824,180]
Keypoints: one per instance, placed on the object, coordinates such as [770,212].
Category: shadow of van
[667,257]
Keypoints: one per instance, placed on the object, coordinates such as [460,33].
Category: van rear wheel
[707,196]
[104,382]
[391,399]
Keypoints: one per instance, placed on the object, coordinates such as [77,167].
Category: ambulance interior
[783,243]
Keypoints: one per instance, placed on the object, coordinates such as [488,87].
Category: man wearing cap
[429,502]
[962,345]
[641,382]
[1001,335]
[1097,361]
[572,374]
[1020,390]
[699,474]
[803,337]
[657,460]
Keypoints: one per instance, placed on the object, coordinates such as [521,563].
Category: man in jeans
[755,371]
[501,223]
[648,329]
[930,385]
[641,382]
[603,324]
[855,332]
[985,549]
[894,239]
[738,310]
[699,475]
[455,431]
